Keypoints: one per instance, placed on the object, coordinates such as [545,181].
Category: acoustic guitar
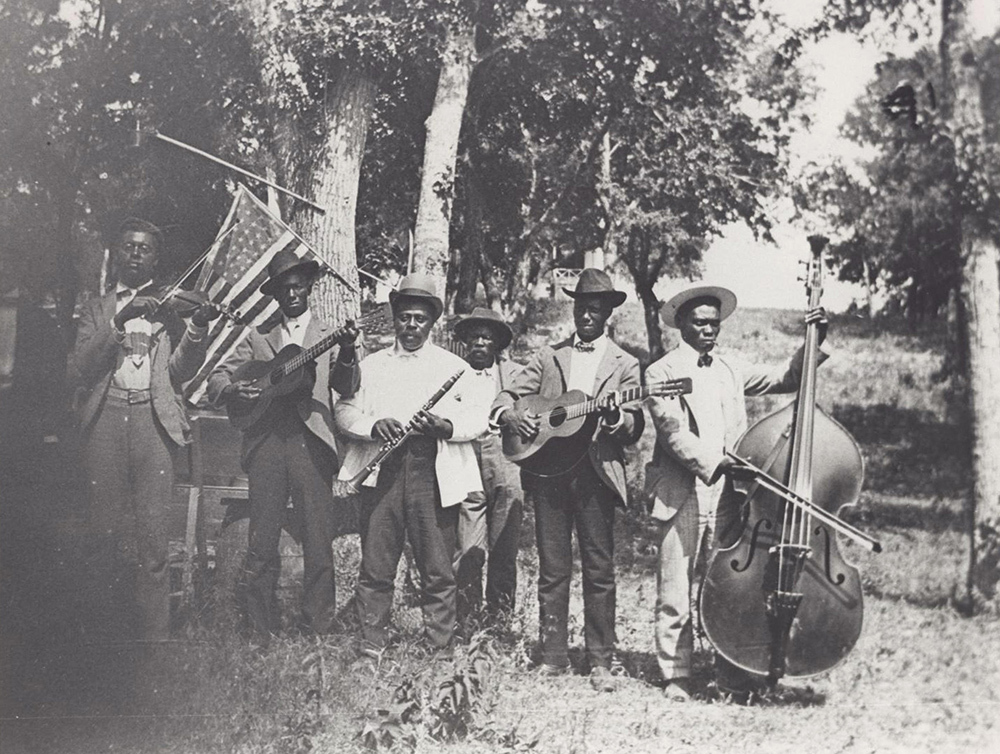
[283,374]
[567,425]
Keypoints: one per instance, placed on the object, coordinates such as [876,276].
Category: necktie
[585,347]
[705,360]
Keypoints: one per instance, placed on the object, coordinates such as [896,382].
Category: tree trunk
[437,181]
[981,295]
[980,288]
[471,257]
[349,104]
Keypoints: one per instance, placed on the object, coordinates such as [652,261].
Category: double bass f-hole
[756,540]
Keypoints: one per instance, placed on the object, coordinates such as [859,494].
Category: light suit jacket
[679,456]
[547,374]
[173,360]
[262,344]
[455,466]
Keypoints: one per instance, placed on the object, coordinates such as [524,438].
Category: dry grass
[922,678]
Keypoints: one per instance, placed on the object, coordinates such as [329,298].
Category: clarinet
[387,448]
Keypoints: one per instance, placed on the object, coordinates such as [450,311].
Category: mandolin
[567,425]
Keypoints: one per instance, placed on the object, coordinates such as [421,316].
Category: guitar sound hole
[557,417]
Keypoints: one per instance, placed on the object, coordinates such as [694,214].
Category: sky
[762,274]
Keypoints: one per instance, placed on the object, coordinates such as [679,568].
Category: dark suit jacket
[547,375]
[174,359]
[262,344]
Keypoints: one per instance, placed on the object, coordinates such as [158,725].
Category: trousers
[575,500]
[290,463]
[685,542]
[128,462]
[490,522]
[406,503]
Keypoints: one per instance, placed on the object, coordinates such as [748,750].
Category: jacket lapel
[562,354]
[607,367]
[316,331]
[273,338]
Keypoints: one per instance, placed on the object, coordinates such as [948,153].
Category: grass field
[922,678]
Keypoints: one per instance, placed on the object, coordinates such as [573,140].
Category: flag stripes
[234,270]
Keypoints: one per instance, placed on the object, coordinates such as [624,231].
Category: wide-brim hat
[482,316]
[281,264]
[725,297]
[421,286]
[594,282]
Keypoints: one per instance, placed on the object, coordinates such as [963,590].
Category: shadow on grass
[908,452]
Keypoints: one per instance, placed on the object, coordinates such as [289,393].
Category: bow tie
[705,360]
[582,346]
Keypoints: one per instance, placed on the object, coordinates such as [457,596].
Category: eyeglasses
[129,246]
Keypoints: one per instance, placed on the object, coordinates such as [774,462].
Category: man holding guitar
[289,451]
[584,496]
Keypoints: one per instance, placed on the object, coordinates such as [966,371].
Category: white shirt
[293,329]
[583,365]
[707,395]
[480,388]
[396,383]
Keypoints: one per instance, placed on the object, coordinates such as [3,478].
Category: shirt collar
[303,319]
[691,354]
[401,353]
[121,288]
[600,342]
[490,371]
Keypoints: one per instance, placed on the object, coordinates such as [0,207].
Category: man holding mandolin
[288,448]
[583,496]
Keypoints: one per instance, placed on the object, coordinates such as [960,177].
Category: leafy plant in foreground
[442,702]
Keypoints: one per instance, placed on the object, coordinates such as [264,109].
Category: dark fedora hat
[673,306]
[420,286]
[483,316]
[283,263]
[594,282]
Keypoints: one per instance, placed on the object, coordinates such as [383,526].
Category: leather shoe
[551,671]
[678,690]
[602,680]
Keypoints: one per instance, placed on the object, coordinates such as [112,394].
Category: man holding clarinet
[417,489]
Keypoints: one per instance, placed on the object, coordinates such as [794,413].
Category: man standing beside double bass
[687,474]
[584,497]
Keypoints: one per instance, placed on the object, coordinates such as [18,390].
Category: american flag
[234,270]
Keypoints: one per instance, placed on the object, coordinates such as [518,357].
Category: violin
[782,600]
[185,303]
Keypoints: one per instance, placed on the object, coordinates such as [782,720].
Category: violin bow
[830,519]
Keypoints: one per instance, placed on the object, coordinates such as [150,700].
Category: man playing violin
[688,471]
[290,451]
[586,496]
[418,489]
[129,362]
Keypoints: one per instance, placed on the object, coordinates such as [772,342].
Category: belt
[124,395]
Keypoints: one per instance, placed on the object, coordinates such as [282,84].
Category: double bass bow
[782,600]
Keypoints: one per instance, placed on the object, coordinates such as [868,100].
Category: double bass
[782,600]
